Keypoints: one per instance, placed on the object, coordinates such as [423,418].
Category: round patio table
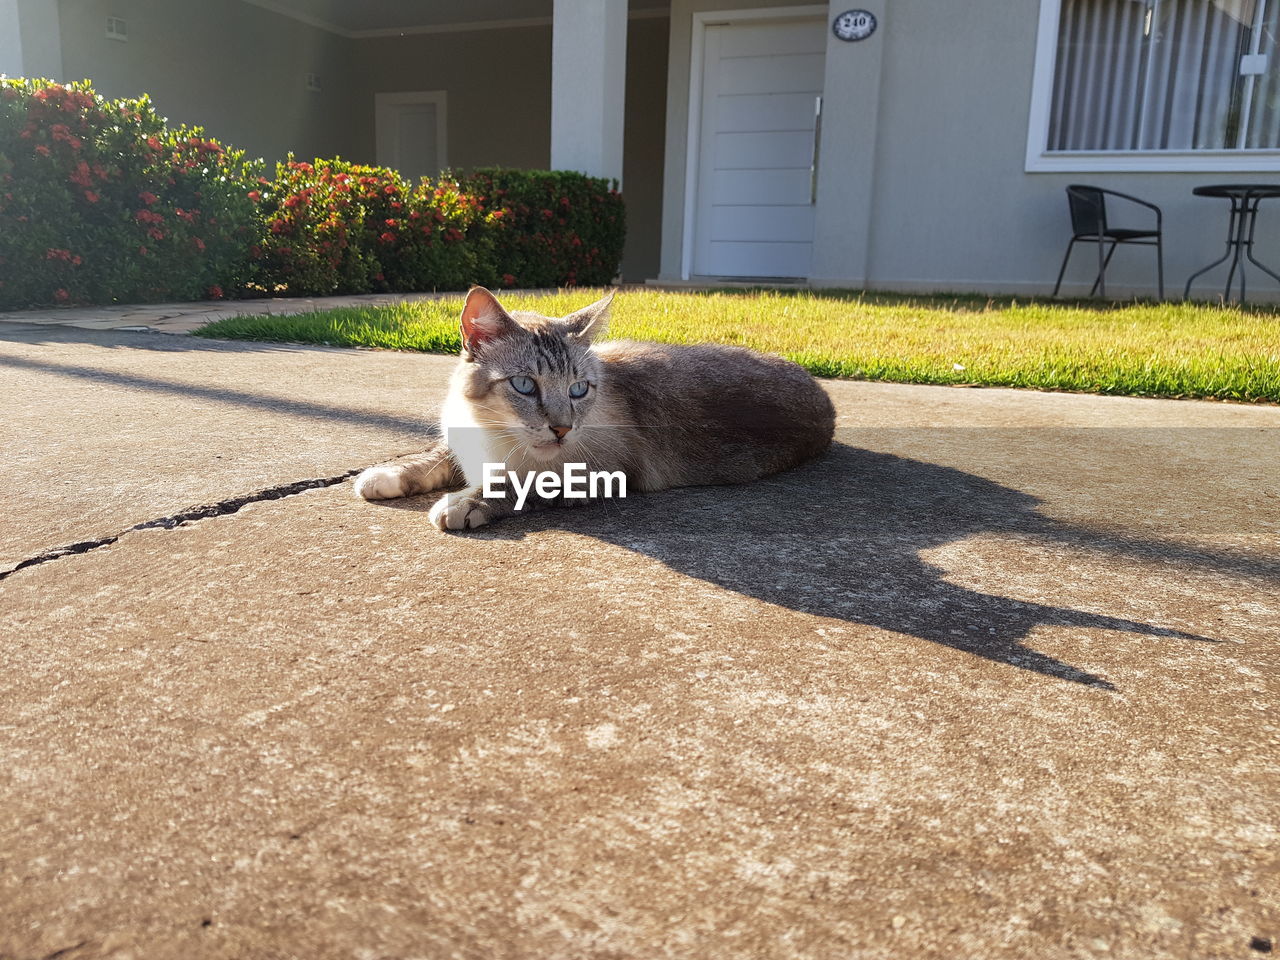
[1244,198]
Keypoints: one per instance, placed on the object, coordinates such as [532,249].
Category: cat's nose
[560,431]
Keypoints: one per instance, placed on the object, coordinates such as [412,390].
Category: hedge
[557,228]
[337,227]
[101,202]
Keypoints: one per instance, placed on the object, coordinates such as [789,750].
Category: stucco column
[588,86]
[30,39]
[847,155]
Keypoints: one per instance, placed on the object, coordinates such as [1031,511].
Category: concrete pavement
[107,430]
[996,678]
[185,316]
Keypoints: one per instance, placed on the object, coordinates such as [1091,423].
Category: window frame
[1042,160]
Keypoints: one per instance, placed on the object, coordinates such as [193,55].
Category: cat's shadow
[842,537]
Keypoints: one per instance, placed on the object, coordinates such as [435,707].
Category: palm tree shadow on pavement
[842,538]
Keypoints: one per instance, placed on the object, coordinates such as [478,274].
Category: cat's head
[535,379]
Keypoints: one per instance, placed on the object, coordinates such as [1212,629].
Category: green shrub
[337,227]
[100,202]
[552,227]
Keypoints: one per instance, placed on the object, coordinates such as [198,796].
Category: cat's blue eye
[579,389]
[524,385]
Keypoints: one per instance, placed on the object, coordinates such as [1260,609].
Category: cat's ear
[590,322]
[483,319]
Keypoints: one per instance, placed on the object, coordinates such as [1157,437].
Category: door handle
[817,143]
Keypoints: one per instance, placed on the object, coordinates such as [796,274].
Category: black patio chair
[1089,225]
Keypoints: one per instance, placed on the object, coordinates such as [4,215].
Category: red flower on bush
[148,198]
[508,280]
[62,132]
[215,292]
[61,295]
[388,237]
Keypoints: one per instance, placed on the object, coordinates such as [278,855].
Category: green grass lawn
[1142,349]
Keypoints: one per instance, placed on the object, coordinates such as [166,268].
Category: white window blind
[1166,75]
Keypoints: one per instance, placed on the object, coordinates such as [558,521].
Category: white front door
[410,132]
[761,90]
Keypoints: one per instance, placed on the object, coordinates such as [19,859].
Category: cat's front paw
[460,511]
[380,483]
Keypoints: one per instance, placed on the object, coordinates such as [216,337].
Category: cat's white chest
[472,443]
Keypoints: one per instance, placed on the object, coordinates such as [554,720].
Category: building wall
[954,207]
[498,84]
[235,69]
[499,108]
[29,39]
[922,181]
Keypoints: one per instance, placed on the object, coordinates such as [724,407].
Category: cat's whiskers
[591,448]
[599,452]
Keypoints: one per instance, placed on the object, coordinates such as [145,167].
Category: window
[1123,83]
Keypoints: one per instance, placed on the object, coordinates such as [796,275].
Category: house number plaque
[854,25]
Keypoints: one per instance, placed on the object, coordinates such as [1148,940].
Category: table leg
[1249,247]
[1239,216]
[1231,231]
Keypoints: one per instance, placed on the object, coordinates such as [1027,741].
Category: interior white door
[761,88]
[410,133]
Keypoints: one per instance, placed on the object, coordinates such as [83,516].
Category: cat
[534,393]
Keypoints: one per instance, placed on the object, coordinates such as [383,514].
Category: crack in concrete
[222,508]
